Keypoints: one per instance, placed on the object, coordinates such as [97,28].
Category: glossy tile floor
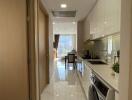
[65,85]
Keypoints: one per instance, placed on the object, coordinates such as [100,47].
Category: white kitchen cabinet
[116,96]
[84,73]
[100,18]
[105,18]
[112,16]
[86,79]
[96,19]
[86,30]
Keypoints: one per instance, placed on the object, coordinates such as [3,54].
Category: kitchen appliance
[99,90]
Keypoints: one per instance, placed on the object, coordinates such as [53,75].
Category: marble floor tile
[64,85]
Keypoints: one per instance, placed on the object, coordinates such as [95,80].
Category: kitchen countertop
[105,73]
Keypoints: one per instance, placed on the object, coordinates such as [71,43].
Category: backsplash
[105,47]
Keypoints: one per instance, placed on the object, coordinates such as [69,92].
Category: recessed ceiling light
[53,22]
[63,6]
[105,22]
[72,95]
[74,22]
[57,95]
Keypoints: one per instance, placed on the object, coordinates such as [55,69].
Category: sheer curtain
[67,43]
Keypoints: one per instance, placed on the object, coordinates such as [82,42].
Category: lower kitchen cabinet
[116,96]
[84,77]
[84,73]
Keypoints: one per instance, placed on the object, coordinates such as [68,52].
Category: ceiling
[65,28]
[82,7]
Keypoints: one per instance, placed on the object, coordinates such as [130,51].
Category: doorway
[38,48]
[43,52]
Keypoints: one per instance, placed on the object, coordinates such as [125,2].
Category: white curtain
[67,42]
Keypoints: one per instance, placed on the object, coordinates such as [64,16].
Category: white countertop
[105,73]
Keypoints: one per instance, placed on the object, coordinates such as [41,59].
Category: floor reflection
[64,84]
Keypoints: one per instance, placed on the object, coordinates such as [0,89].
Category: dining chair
[71,59]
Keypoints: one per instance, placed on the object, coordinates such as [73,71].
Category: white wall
[65,28]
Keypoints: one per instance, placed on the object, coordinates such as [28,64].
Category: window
[66,44]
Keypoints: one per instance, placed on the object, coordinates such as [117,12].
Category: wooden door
[13,51]
[43,50]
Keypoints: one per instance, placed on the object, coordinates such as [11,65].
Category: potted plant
[116,69]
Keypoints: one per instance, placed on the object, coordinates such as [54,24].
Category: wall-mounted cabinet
[105,18]
[86,30]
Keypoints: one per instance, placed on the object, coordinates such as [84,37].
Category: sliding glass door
[67,43]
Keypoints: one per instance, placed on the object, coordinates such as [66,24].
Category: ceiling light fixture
[63,6]
[105,22]
[74,22]
[53,22]
[57,95]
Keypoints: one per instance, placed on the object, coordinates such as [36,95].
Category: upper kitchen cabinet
[86,29]
[96,19]
[112,16]
[105,18]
